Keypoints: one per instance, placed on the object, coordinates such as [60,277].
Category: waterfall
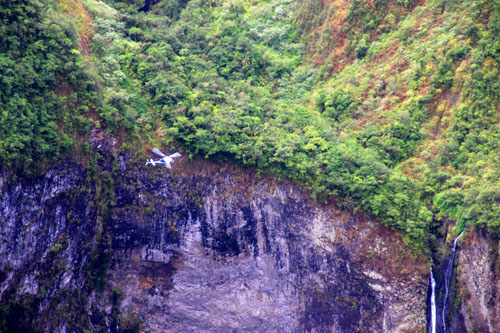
[433,304]
[447,277]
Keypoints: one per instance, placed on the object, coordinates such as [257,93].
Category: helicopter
[166,160]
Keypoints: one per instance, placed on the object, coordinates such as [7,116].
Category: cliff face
[478,283]
[47,231]
[203,247]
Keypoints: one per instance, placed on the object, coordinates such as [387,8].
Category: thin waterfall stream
[448,274]
[433,304]
[447,278]
[438,322]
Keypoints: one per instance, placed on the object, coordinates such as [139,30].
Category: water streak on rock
[433,304]
[447,279]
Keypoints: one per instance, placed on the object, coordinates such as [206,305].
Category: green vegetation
[469,192]
[389,106]
[227,80]
[42,81]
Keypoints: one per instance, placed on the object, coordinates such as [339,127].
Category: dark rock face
[47,228]
[478,282]
[223,251]
[208,248]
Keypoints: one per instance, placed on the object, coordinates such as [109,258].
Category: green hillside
[390,107]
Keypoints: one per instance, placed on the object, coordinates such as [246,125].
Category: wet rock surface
[205,248]
[479,286]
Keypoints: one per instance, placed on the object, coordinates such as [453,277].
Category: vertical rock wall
[203,247]
[215,249]
[479,285]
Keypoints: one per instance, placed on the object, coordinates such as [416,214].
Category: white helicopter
[167,160]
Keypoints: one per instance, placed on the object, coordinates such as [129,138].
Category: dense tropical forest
[389,106]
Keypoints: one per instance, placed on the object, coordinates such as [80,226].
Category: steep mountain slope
[385,120]
[387,107]
[41,81]
[397,115]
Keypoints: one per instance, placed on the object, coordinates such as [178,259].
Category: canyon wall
[203,247]
[478,285]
